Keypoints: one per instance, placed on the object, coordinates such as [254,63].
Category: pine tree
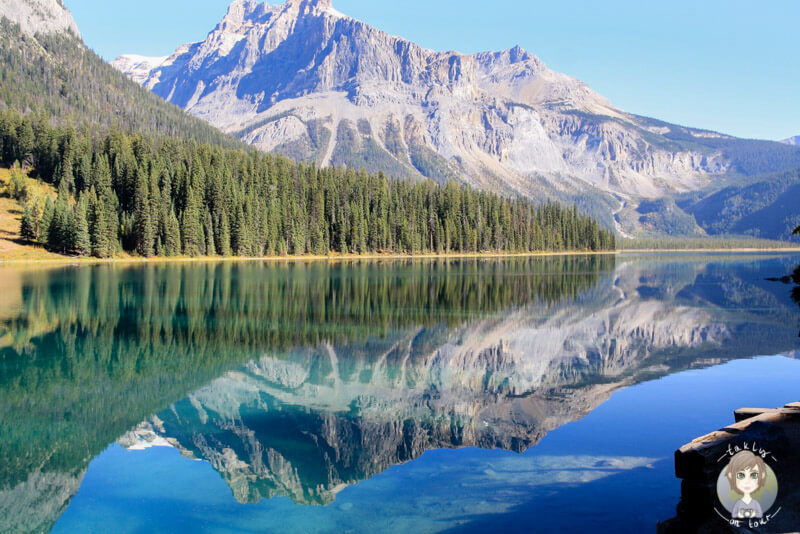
[239,233]
[26,141]
[59,232]
[83,244]
[190,225]
[28,226]
[224,236]
[46,221]
[97,219]
[172,243]
[208,230]
[145,228]
[36,216]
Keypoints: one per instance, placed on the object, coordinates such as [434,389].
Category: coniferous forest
[158,182]
[166,197]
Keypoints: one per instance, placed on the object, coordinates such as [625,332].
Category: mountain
[764,207]
[792,140]
[46,68]
[76,122]
[305,80]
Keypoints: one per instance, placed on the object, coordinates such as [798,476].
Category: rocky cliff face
[39,16]
[303,79]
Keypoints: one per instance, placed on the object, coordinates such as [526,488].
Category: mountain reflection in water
[301,379]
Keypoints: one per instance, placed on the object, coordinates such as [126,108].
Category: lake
[524,394]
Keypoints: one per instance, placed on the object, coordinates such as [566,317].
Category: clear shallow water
[545,394]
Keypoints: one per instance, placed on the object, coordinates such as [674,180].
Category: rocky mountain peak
[39,16]
[513,56]
[309,5]
[304,80]
[517,54]
[310,8]
[243,12]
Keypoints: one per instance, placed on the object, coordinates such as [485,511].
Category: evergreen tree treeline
[178,197]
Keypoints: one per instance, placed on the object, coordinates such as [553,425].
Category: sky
[731,66]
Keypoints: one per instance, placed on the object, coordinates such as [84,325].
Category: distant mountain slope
[766,208]
[54,72]
[792,140]
[305,80]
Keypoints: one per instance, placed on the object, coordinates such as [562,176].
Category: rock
[39,16]
[498,120]
[775,432]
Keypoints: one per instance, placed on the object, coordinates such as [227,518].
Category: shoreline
[739,250]
[378,256]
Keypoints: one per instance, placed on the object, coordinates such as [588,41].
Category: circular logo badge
[747,487]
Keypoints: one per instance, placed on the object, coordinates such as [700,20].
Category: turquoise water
[462,396]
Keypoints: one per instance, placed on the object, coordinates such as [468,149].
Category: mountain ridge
[355,67]
[48,70]
[304,80]
[792,140]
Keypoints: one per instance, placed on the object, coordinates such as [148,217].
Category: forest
[128,193]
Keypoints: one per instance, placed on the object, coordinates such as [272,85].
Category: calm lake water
[538,394]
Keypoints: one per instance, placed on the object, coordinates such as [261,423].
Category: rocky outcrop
[792,140]
[303,79]
[39,16]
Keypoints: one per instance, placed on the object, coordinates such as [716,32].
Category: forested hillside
[58,76]
[136,174]
[169,197]
[766,207]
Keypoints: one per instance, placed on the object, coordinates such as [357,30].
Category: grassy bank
[11,246]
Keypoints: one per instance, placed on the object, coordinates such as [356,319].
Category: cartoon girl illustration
[746,474]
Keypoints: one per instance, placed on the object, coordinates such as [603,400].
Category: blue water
[555,407]
[465,490]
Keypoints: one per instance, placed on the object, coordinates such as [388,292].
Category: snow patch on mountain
[137,67]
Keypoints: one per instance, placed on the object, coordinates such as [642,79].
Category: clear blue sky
[726,65]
